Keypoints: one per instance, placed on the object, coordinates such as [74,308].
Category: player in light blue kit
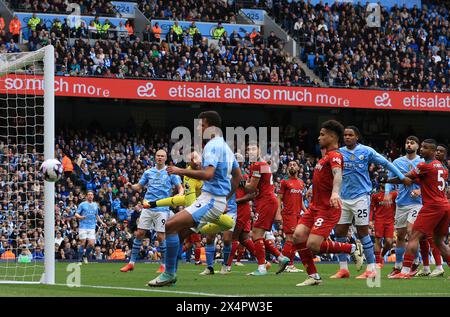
[221,175]
[355,195]
[87,214]
[159,185]
[408,203]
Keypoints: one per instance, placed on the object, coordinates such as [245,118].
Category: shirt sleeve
[335,160]
[235,164]
[282,188]
[420,170]
[175,179]
[377,158]
[255,170]
[144,179]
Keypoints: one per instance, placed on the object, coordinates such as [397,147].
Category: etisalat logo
[253,141]
[383,101]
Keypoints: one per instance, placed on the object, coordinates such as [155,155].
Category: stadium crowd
[104,162]
[86,7]
[409,49]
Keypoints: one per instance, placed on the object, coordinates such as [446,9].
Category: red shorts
[384,229]
[194,238]
[321,221]
[265,213]
[243,221]
[433,220]
[290,221]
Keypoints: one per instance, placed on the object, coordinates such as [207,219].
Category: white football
[51,170]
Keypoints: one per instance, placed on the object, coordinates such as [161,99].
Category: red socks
[435,251]
[260,251]
[408,260]
[425,252]
[197,253]
[335,247]
[241,250]
[250,246]
[378,257]
[234,247]
[270,246]
[307,258]
[289,251]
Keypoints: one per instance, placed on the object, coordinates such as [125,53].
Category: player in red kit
[266,206]
[427,244]
[314,228]
[433,218]
[194,240]
[383,216]
[243,221]
[290,205]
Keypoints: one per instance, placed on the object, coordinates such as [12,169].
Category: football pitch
[105,279]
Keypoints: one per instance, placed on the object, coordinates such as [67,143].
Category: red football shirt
[379,210]
[292,189]
[323,179]
[432,176]
[266,188]
[244,207]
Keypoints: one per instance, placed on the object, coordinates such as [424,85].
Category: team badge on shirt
[361,157]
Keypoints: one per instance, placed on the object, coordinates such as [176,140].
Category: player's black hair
[90,191]
[212,117]
[413,138]
[431,141]
[334,126]
[295,161]
[444,146]
[356,130]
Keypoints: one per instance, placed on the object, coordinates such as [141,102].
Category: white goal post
[27,136]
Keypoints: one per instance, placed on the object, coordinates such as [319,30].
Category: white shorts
[269,235]
[88,234]
[153,220]
[206,208]
[358,208]
[405,215]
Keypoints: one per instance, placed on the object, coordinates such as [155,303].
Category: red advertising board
[229,93]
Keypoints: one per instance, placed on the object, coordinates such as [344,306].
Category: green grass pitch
[105,279]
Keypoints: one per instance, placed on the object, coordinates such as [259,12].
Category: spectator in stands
[218,31]
[33,22]
[156,30]
[273,40]
[12,47]
[255,37]
[178,32]
[15,28]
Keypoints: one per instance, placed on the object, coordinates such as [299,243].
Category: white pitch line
[150,290]
[293,294]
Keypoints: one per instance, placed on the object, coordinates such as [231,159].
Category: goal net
[27,249]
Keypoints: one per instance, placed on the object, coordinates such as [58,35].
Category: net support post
[49,153]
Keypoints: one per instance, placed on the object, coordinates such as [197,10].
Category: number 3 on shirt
[441,180]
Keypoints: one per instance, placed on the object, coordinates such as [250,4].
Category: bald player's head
[161,157]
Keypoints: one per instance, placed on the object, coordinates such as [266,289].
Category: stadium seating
[409,51]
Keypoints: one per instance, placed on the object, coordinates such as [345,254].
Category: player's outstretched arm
[380,159]
[335,199]
[235,179]
[203,174]
[245,198]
